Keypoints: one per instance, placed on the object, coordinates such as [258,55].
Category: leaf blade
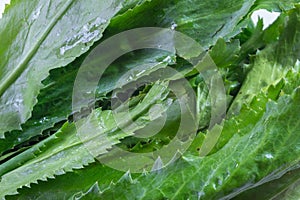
[44,48]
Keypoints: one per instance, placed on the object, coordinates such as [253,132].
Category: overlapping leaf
[56,98]
[258,152]
[275,61]
[264,151]
[258,145]
[175,12]
[65,151]
[38,36]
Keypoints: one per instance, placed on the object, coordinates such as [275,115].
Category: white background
[2,3]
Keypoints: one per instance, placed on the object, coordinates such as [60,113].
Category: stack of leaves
[44,43]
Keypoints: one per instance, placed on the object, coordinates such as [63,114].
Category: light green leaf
[264,151]
[263,144]
[55,99]
[72,183]
[273,63]
[230,15]
[65,151]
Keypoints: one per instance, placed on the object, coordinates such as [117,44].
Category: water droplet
[200,194]
[100,21]
[85,28]
[130,78]
[88,33]
[220,182]
[62,51]
[140,73]
[15,102]
[269,156]
[173,25]
[36,13]
[168,59]
[27,172]
[58,172]
[44,119]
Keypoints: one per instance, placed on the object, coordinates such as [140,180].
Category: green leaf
[273,63]
[72,183]
[257,151]
[258,86]
[251,113]
[262,152]
[117,25]
[193,18]
[275,5]
[292,193]
[55,99]
[273,189]
[256,146]
[45,35]
[65,151]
